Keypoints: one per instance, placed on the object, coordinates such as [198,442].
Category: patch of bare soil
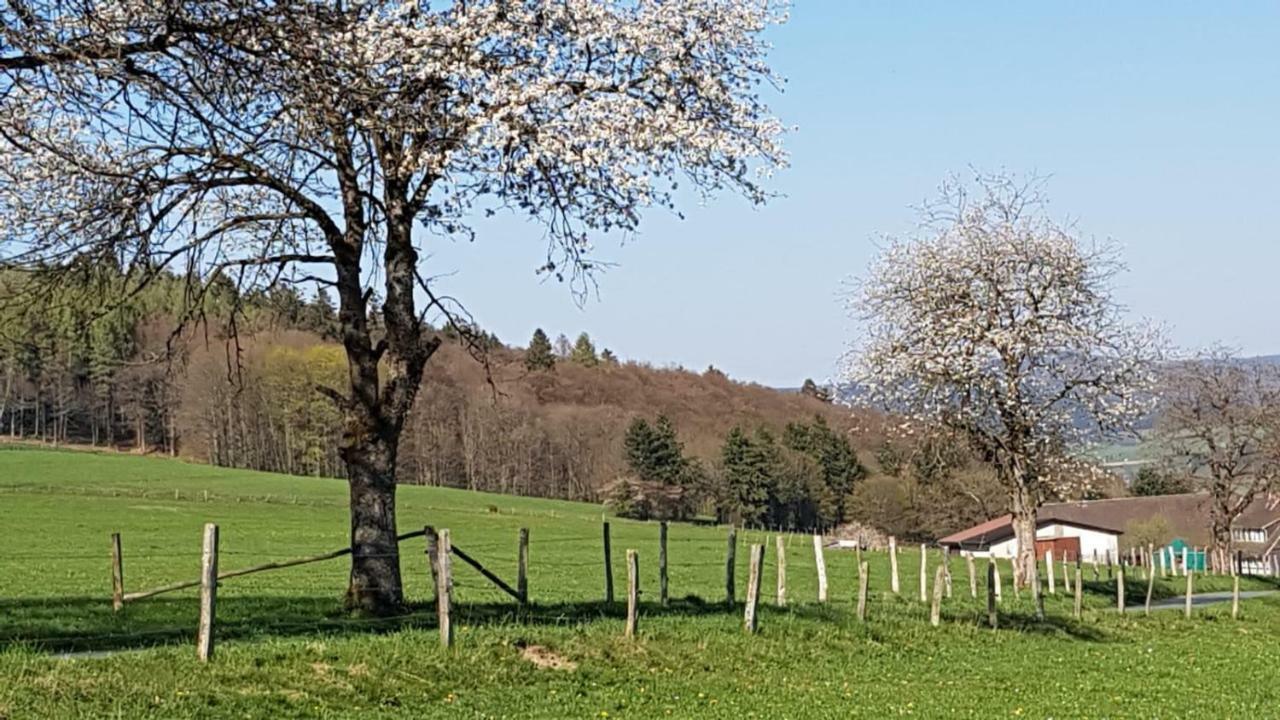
[546,659]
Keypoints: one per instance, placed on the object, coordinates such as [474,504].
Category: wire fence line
[483,596]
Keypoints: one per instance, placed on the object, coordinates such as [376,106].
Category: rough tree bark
[1024,507]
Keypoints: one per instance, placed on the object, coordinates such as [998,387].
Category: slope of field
[285,651]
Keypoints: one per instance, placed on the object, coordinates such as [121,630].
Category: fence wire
[576,560]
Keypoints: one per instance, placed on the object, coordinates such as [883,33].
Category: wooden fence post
[729,558]
[1048,563]
[1079,605]
[1235,597]
[1037,592]
[992,591]
[995,568]
[749,618]
[1095,565]
[663,579]
[444,587]
[782,571]
[821,563]
[935,611]
[522,567]
[1190,591]
[433,556]
[208,593]
[973,579]
[633,591]
[893,565]
[924,573]
[1120,589]
[864,571]
[1151,588]
[608,566]
[1110,570]
[117,574]
[946,569]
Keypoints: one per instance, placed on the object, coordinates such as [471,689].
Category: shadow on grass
[89,625]
[1051,625]
[1135,589]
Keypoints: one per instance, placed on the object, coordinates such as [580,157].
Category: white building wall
[1090,541]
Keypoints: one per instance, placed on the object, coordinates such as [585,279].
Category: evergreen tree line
[541,355]
[802,481]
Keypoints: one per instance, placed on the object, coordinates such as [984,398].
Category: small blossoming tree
[269,140]
[998,324]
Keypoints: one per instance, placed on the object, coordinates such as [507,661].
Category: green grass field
[285,651]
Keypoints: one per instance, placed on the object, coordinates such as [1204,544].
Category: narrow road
[1202,599]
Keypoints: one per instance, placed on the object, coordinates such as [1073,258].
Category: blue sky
[1159,124]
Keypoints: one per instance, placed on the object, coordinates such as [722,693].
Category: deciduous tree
[997,323]
[327,141]
[1154,481]
[1220,419]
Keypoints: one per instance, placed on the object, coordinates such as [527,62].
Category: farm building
[1085,527]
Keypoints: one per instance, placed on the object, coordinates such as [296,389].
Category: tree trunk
[1024,530]
[374,587]
[1220,535]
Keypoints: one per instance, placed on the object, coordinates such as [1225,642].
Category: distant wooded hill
[70,372]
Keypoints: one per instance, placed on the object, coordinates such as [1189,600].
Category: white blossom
[997,323]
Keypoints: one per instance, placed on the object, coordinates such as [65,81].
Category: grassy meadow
[284,650]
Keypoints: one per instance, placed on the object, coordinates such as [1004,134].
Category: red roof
[1187,515]
[998,529]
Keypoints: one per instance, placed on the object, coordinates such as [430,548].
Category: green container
[1195,558]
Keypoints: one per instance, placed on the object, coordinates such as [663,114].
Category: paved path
[1202,599]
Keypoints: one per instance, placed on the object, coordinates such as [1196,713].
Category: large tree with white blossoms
[999,324]
[277,140]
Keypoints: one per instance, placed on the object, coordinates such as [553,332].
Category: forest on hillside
[235,384]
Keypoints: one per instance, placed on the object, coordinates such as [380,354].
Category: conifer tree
[654,452]
[638,448]
[539,355]
[584,352]
[836,462]
[745,496]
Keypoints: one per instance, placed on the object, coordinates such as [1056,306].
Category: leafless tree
[1220,420]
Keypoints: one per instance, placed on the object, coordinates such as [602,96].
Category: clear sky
[1159,124]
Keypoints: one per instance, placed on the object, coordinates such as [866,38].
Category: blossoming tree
[998,324]
[330,141]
